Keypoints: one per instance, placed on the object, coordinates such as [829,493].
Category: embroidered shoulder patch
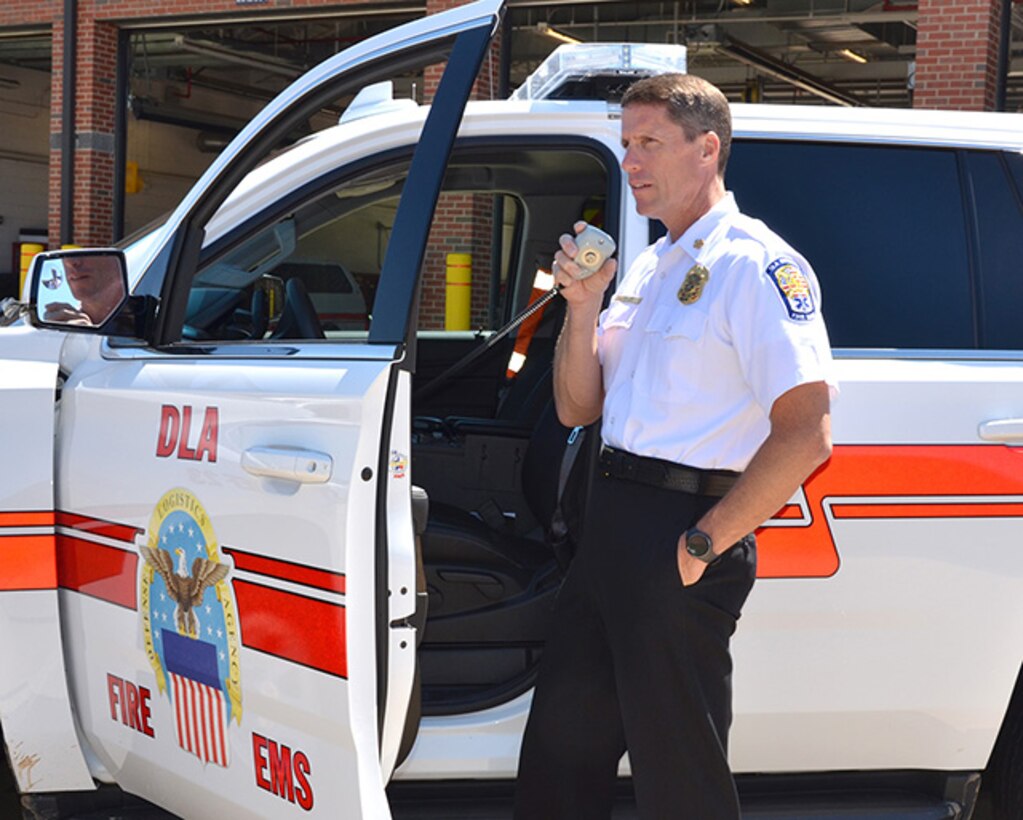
[793,288]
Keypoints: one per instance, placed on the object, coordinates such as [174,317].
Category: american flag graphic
[200,707]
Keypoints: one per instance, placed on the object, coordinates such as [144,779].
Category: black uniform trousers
[636,661]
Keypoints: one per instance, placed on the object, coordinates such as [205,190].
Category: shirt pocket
[672,366]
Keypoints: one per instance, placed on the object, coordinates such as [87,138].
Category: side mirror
[80,289]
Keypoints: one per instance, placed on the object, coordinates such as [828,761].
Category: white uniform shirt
[694,383]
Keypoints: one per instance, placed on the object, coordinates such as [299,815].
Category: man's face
[667,174]
[88,276]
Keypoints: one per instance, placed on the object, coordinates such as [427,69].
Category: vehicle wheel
[1003,780]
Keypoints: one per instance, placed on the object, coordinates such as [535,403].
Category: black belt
[665,474]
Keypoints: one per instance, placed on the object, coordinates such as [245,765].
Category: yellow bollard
[458,293]
[28,252]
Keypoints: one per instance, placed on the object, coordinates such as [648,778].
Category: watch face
[697,544]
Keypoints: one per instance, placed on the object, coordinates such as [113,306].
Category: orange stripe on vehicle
[27,562]
[969,509]
[40,518]
[894,471]
[789,512]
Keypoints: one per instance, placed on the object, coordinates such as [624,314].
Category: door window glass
[882,226]
[311,274]
[1000,248]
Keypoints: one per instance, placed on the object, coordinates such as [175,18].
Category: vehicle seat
[476,558]
[299,319]
[259,311]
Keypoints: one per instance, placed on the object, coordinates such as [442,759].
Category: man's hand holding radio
[583,268]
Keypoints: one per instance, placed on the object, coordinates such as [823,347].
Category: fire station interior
[193,81]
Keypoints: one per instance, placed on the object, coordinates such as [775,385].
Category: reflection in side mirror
[82,288]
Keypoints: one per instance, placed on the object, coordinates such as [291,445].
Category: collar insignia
[692,285]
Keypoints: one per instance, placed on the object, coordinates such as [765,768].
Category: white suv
[878,655]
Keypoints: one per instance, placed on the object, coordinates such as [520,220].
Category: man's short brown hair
[692,102]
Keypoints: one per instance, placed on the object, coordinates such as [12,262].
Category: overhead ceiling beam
[227,55]
[767,64]
[268,16]
[740,16]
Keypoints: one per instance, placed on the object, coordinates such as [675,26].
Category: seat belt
[560,542]
[464,363]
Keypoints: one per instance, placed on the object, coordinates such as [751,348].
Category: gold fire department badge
[692,285]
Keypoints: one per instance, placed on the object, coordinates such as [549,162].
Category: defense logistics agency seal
[794,289]
[190,626]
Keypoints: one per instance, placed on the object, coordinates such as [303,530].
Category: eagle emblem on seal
[184,587]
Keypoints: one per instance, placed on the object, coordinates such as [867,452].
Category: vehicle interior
[487,448]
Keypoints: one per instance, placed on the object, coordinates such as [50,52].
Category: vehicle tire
[1003,780]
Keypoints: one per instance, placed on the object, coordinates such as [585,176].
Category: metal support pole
[120,129]
[67,126]
[1004,55]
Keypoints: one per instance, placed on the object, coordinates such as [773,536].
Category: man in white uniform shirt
[712,374]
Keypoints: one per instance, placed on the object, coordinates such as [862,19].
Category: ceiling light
[743,2]
[544,28]
[849,54]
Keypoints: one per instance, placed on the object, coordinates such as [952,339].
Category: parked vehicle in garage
[269,546]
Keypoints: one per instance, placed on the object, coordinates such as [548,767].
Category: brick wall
[462,223]
[94,136]
[957,54]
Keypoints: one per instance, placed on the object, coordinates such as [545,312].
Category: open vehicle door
[236,538]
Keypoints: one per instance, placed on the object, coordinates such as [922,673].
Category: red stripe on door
[97,526]
[293,627]
[287,570]
[103,572]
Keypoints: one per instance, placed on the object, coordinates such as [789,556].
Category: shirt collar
[699,233]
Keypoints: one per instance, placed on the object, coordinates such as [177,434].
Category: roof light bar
[573,63]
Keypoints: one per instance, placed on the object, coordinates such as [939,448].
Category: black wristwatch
[699,545]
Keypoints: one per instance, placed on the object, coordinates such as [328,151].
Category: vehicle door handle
[1009,431]
[290,463]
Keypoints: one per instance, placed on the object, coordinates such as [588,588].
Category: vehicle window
[1015,163]
[1000,250]
[329,254]
[311,274]
[883,227]
[496,223]
[468,258]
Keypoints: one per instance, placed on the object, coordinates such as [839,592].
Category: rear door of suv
[889,615]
